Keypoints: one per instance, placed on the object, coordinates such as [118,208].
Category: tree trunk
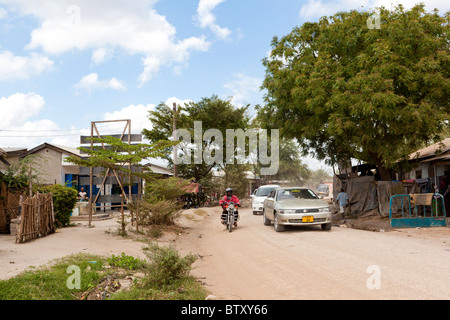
[385,173]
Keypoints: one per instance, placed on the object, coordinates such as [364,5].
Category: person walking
[343,201]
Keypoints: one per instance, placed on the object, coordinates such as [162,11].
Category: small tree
[118,156]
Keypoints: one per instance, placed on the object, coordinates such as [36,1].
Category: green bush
[167,265]
[159,212]
[125,262]
[165,189]
[64,200]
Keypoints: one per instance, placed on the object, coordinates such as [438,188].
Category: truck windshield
[264,192]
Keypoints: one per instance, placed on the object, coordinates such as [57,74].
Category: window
[296,194]
[264,192]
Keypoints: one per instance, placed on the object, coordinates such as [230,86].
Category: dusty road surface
[254,262]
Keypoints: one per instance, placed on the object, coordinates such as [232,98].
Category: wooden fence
[37,218]
[9,207]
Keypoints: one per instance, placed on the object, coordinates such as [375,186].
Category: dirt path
[15,258]
[254,262]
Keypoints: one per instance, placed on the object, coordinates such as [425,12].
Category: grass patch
[164,276]
[50,283]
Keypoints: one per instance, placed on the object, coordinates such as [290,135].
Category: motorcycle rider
[229,197]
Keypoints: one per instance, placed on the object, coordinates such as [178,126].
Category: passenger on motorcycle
[229,197]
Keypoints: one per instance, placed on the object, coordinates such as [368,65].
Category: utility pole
[175,152]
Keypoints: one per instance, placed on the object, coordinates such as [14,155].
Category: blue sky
[65,63]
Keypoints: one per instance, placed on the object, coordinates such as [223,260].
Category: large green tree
[346,89]
[212,113]
[290,168]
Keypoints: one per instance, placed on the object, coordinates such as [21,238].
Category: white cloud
[138,114]
[91,82]
[22,68]
[3,13]
[244,89]
[100,55]
[19,107]
[131,27]
[170,101]
[18,127]
[207,19]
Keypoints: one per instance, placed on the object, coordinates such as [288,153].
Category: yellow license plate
[308,219]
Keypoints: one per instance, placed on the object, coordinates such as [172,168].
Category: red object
[225,200]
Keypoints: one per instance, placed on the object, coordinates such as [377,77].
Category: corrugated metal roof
[441,157]
[159,169]
[432,150]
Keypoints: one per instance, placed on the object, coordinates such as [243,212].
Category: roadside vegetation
[164,275]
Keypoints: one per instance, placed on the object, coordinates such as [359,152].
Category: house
[431,165]
[159,170]
[51,165]
[11,156]
[3,156]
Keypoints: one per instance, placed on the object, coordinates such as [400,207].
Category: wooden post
[138,201]
[175,151]
[91,176]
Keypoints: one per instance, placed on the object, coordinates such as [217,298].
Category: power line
[107,128]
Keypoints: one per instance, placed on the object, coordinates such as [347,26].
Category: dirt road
[254,262]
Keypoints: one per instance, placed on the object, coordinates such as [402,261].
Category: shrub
[64,200]
[125,262]
[167,189]
[167,265]
[159,212]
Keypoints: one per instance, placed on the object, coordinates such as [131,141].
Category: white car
[295,207]
[259,195]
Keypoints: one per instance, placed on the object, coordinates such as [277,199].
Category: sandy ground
[101,240]
[256,263]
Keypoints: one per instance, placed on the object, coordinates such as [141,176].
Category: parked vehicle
[296,207]
[259,195]
[323,190]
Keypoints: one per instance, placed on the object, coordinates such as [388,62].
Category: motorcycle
[230,219]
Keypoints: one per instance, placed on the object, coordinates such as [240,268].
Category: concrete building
[51,165]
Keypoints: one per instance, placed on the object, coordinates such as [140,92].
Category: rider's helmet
[229,192]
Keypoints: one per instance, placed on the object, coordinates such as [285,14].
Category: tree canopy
[212,112]
[345,90]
